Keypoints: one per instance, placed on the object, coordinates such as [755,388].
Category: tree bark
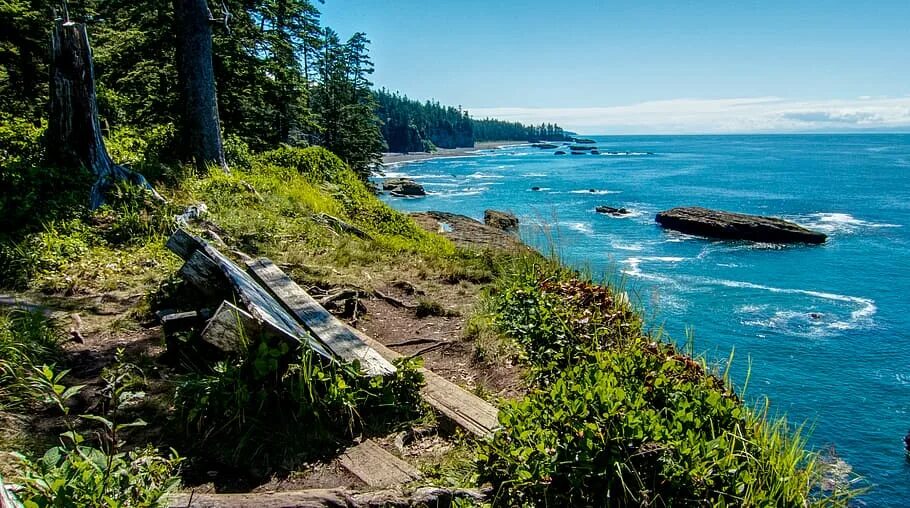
[74,132]
[200,127]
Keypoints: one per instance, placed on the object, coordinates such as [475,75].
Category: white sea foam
[484,176]
[581,227]
[596,191]
[633,247]
[534,175]
[633,269]
[862,314]
[836,222]
[624,154]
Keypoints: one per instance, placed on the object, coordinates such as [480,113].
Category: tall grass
[27,340]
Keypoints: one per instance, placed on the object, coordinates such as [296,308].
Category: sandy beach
[394,158]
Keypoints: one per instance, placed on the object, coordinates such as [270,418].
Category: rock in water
[403,187]
[500,220]
[609,210]
[736,226]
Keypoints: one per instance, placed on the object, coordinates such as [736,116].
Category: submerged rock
[585,141]
[609,210]
[545,146]
[535,188]
[500,220]
[403,187]
[560,152]
[736,226]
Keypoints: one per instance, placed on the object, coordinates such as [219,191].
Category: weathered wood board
[228,327]
[206,263]
[469,411]
[346,345]
[376,467]
[331,498]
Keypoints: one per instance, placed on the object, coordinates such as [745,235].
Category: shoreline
[392,158]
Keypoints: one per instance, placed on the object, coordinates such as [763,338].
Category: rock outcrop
[609,210]
[465,231]
[500,220]
[403,187]
[736,226]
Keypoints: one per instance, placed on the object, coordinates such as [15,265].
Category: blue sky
[644,67]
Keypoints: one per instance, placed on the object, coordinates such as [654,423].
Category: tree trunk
[200,127]
[74,131]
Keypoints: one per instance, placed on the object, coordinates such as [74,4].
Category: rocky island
[736,226]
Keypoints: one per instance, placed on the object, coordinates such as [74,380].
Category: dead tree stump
[74,131]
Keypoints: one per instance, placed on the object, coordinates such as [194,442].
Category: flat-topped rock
[403,187]
[736,226]
[500,220]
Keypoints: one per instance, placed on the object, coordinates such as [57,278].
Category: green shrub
[27,339]
[619,419]
[631,427]
[79,474]
[258,409]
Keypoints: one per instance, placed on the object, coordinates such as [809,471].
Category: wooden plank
[183,244]
[467,410]
[376,467]
[204,274]
[327,328]
[228,327]
[260,304]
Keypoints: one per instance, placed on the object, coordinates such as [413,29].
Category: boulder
[500,220]
[560,152]
[535,188]
[403,187]
[609,210]
[736,226]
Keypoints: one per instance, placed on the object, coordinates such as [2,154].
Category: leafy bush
[27,339]
[77,474]
[619,419]
[262,409]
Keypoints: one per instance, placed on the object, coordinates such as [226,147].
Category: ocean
[822,331]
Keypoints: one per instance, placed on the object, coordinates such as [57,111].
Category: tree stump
[74,131]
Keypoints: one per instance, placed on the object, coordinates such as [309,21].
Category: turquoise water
[827,328]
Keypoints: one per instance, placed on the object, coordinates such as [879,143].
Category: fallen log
[332,498]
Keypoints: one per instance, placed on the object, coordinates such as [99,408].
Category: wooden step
[469,411]
[376,467]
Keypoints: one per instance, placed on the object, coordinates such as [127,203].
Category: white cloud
[742,115]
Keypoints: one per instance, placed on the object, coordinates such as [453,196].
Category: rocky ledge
[500,220]
[465,231]
[736,226]
[404,187]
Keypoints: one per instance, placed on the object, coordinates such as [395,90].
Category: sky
[641,67]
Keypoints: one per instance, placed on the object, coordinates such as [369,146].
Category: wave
[625,154]
[534,175]
[632,247]
[483,176]
[581,227]
[595,191]
[837,222]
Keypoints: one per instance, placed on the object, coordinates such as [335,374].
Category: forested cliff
[413,126]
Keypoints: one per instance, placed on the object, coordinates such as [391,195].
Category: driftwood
[74,132]
[344,227]
[377,467]
[436,497]
[327,328]
[395,302]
